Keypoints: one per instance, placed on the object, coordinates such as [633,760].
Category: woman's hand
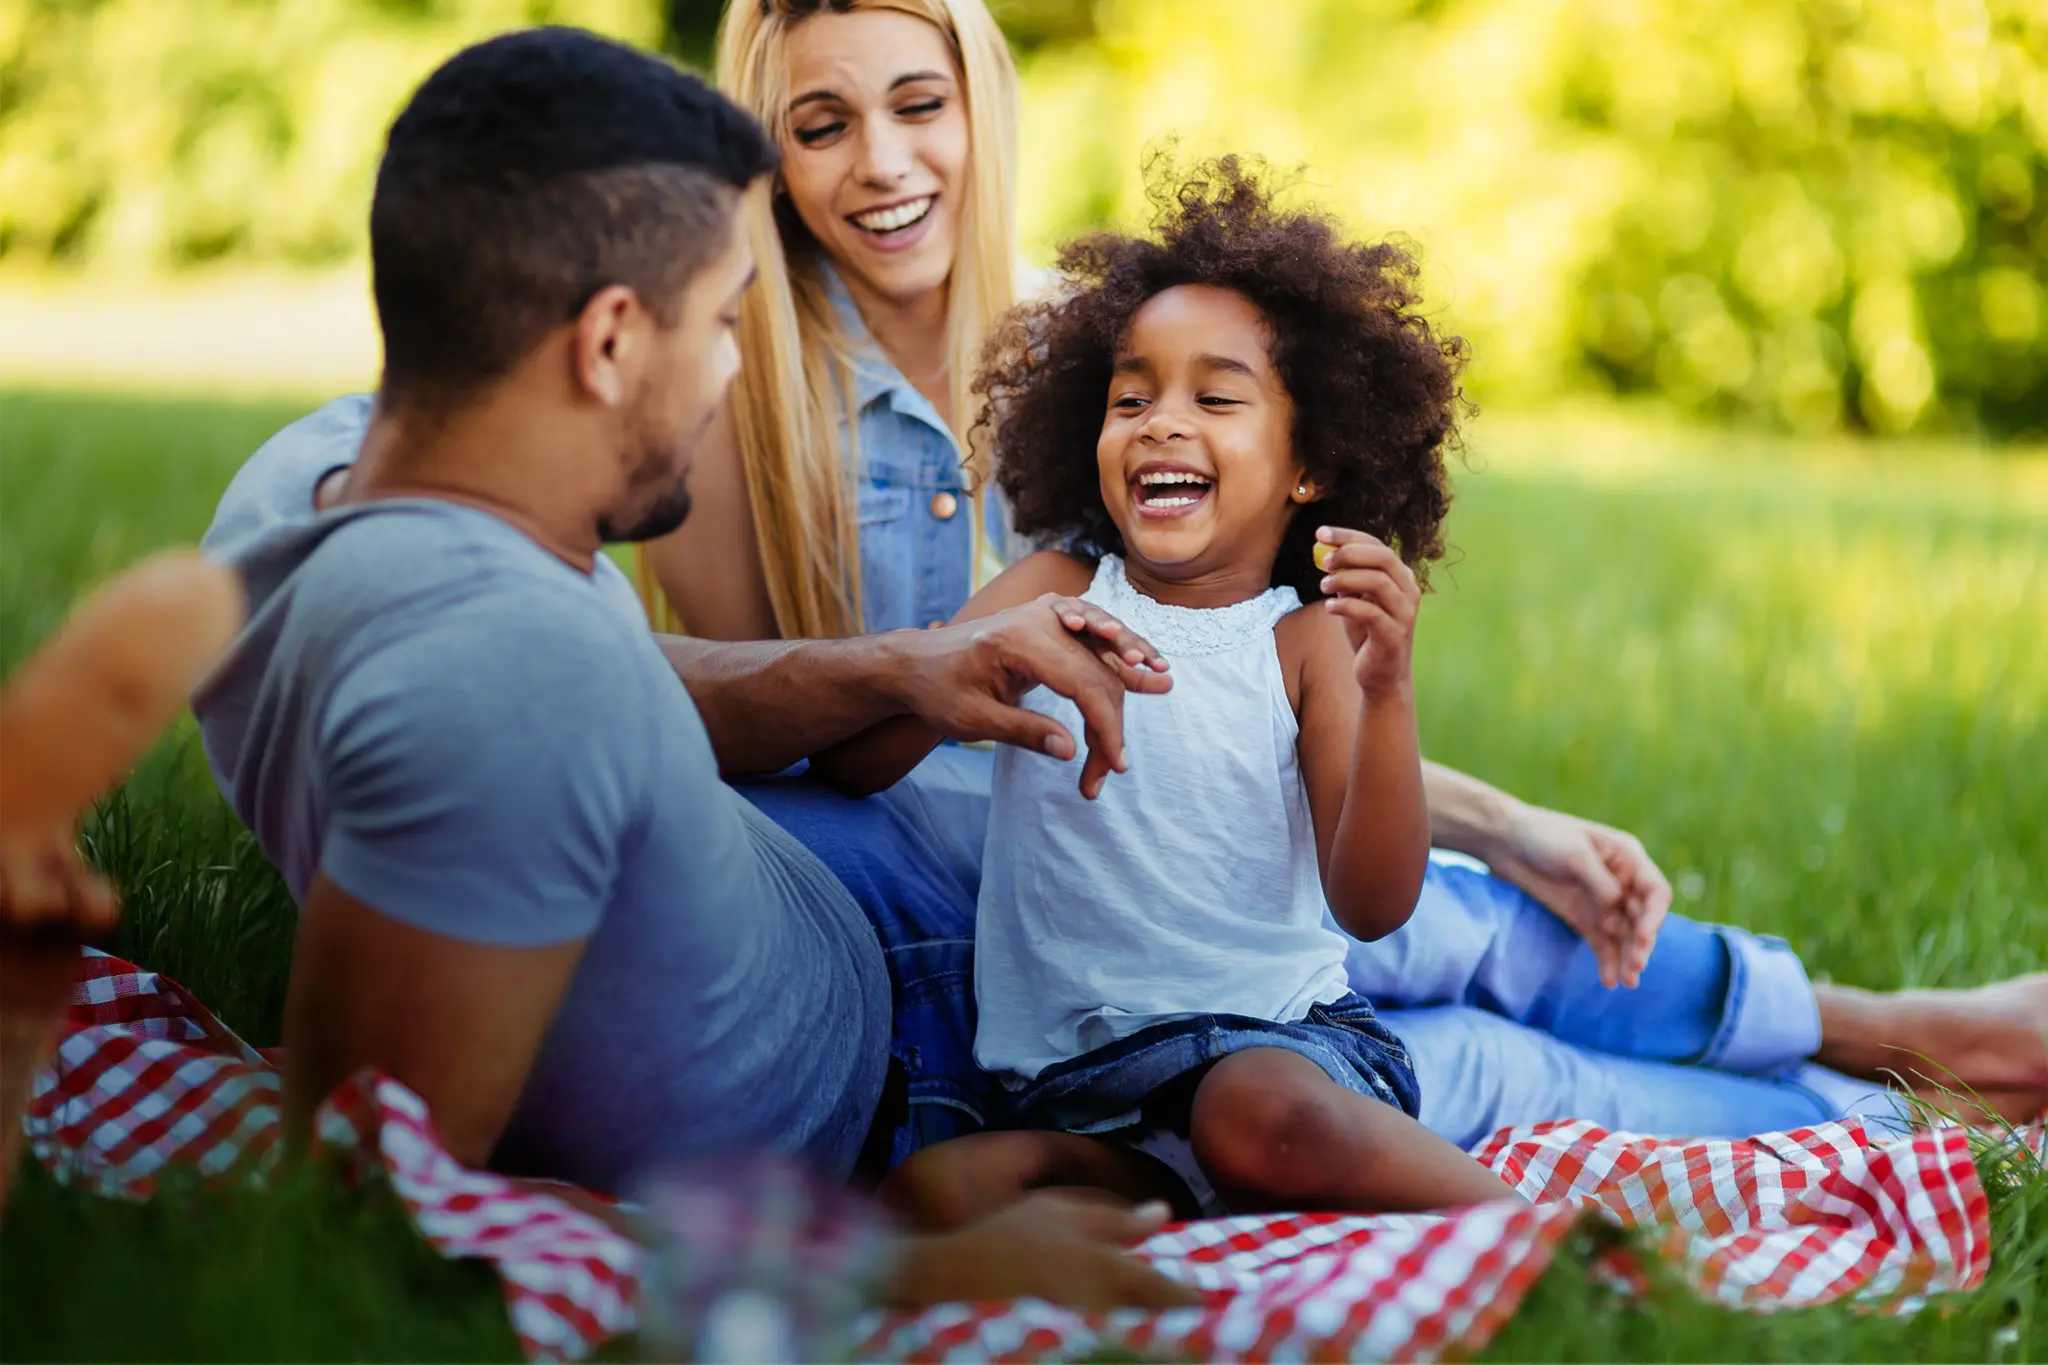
[1598,880]
[1366,584]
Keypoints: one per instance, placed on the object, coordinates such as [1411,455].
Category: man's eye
[818,132]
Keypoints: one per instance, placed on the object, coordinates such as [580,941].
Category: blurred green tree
[1815,214]
[1840,213]
[167,133]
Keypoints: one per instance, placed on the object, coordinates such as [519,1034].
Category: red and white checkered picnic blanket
[146,1078]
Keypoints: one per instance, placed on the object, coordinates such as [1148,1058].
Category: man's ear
[605,350]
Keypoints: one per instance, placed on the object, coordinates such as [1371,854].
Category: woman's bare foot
[1989,1039]
[1984,1108]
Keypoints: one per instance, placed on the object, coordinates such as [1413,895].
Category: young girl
[1218,423]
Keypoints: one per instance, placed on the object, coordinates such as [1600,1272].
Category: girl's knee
[1265,1128]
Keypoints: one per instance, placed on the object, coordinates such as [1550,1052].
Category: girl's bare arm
[1363,770]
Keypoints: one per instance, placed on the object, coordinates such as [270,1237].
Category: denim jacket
[917,542]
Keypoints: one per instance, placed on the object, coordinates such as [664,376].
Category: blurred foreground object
[73,720]
[758,1261]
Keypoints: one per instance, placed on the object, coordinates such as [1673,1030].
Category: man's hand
[1598,880]
[47,893]
[1067,1249]
[50,903]
[1122,649]
[965,680]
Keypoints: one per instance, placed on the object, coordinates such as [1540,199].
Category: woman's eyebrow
[834,97]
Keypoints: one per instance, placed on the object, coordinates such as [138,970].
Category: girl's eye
[922,109]
[818,132]
[1213,401]
[1129,400]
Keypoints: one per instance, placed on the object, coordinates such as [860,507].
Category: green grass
[1813,683]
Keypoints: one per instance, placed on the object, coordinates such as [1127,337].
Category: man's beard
[662,459]
[671,510]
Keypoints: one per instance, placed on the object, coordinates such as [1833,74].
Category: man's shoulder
[275,485]
[457,572]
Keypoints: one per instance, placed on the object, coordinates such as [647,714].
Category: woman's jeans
[1502,1008]
[1499,1003]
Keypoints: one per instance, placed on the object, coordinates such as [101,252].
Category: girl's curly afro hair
[1375,390]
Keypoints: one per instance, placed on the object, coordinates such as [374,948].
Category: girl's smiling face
[1196,455]
[876,148]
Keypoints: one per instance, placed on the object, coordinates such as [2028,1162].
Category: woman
[839,495]
[833,497]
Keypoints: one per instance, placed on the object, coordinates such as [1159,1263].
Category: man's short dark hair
[529,172]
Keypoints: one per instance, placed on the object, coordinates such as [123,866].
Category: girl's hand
[1367,585]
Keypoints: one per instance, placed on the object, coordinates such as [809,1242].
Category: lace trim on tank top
[1189,630]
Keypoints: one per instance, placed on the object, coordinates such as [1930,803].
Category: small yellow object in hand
[1321,554]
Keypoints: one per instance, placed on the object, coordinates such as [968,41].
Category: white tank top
[1189,887]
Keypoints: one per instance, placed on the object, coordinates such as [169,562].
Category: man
[525,890]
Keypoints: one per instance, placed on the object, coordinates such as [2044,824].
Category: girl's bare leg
[1273,1132]
[955,1183]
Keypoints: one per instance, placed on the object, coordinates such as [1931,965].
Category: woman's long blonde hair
[795,376]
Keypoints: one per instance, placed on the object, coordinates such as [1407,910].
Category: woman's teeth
[891,219]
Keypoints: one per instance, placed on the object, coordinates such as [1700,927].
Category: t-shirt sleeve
[277,484]
[482,778]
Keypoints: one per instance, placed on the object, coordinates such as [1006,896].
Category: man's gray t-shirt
[483,742]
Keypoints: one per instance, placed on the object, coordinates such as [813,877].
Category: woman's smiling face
[876,148]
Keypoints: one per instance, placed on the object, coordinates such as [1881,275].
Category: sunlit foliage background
[1815,215]
[1810,670]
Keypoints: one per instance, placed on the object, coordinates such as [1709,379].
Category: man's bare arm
[767,704]
[459,1023]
